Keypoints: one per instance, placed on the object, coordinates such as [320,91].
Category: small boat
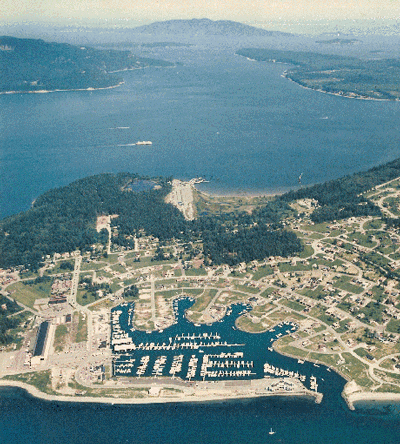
[271,432]
[144,142]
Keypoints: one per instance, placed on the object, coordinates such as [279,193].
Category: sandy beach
[355,397]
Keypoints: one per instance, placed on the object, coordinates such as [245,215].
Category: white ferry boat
[144,142]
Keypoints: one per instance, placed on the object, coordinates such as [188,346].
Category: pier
[201,357]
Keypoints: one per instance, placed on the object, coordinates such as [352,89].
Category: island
[135,289]
[372,78]
[36,66]
[205,27]
[338,41]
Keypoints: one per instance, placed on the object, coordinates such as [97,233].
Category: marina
[194,352]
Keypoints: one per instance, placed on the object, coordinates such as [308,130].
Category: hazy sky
[146,11]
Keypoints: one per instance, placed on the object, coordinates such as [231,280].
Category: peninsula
[36,66]
[87,311]
[373,78]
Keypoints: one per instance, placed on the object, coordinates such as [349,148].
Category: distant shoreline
[45,91]
[348,95]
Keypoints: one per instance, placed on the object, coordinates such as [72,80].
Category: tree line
[342,198]
[63,220]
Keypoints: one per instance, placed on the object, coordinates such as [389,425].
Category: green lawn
[343,283]
[118,268]
[168,294]
[103,273]
[292,304]
[196,272]
[81,334]
[263,271]
[85,266]
[203,300]
[288,267]
[83,297]
[378,293]
[191,291]
[317,312]
[247,289]
[40,380]
[59,337]
[374,224]
[58,270]
[356,370]
[268,292]
[393,205]
[317,293]
[27,294]
[319,228]
[245,323]
[362,239]
[393,326]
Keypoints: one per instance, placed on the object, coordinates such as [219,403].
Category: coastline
[44,91]
[345,95]
[198,397]
[351,393]
[241,194]
[288,355]
[355,397]
[348,95]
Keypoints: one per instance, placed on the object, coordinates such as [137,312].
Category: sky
[136,12]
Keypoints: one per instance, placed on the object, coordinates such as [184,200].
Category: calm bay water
[240,124]
[218,115]
[26,420]
[295,421]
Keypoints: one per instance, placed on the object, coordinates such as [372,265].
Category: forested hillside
[64,219]
[342,197]
[35,65]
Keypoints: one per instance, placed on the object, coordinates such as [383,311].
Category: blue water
[141,185]
[254,348]
[245,127]
[296,421]
[26,420]
[219,115]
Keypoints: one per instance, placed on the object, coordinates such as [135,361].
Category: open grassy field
[27,294]
[81,330]
[203,300]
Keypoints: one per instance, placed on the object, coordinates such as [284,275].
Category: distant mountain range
[30,65]
[206,27]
